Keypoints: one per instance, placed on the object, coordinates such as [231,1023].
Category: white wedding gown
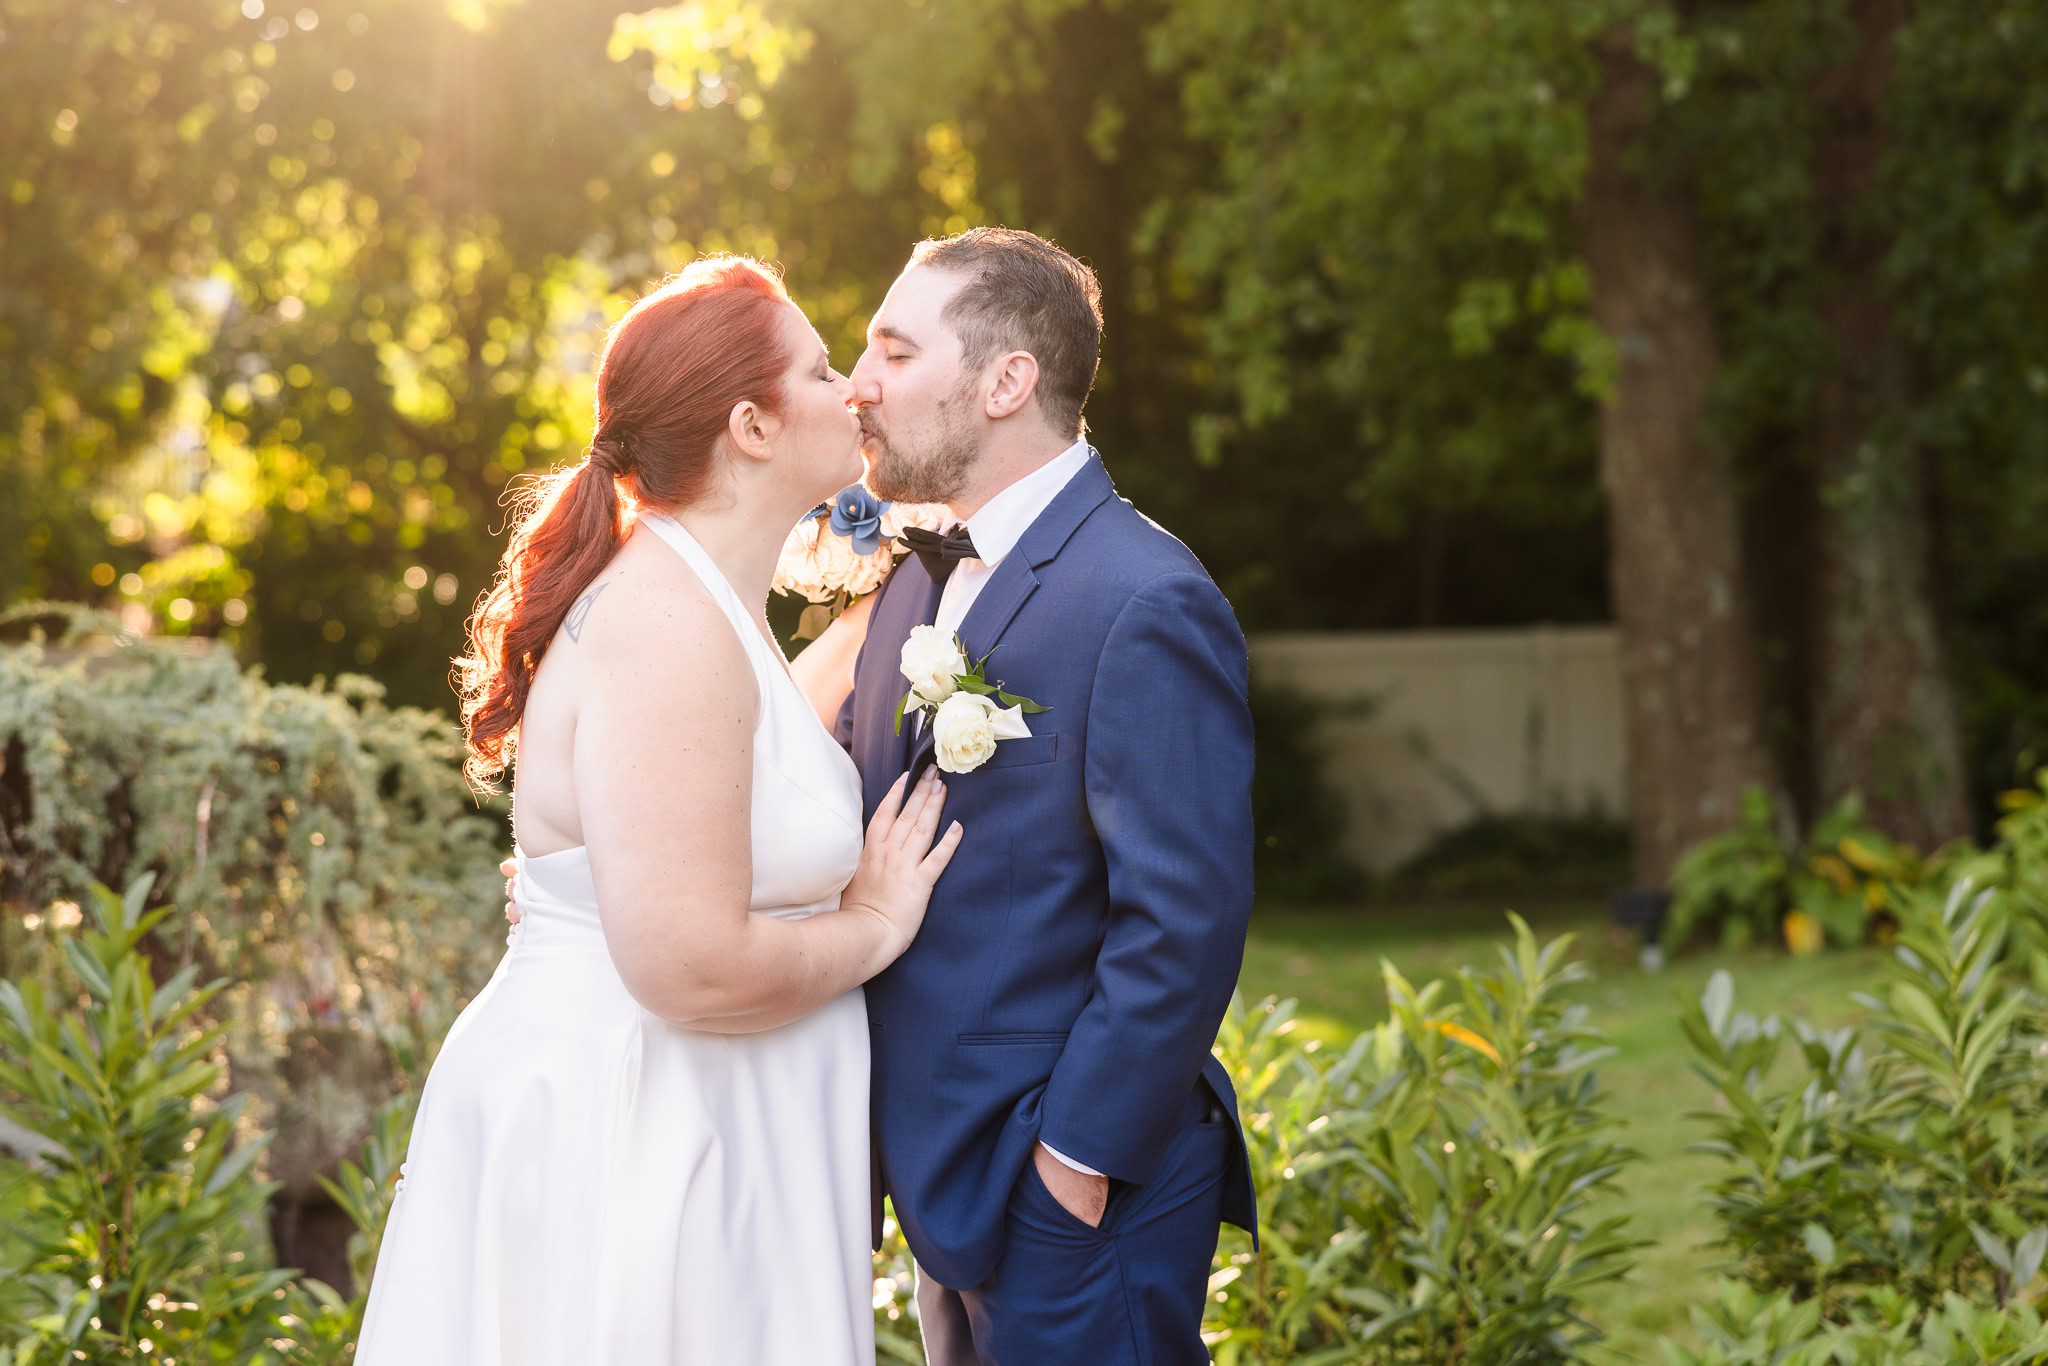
[590,1185]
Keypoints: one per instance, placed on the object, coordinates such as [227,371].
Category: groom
[1058,1141]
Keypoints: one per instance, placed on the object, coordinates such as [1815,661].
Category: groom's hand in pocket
[1081,1195]
[510,868]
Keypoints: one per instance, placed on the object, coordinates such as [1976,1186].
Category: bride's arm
[663,776]
[824,668]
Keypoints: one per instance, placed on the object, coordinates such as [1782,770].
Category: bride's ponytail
[673,369]
[567,532]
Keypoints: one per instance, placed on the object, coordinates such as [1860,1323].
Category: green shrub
[1885,1328]
[364,1188]
[139,1234]
[1516,853]
[2016,864]
[1750,886]
[325,856]
[1427,1194]
[1910,1152]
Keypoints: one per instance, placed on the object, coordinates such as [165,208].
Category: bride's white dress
[589,1184]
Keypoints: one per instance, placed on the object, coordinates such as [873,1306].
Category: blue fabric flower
[857,515]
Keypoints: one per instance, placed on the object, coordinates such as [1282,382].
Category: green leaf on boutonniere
[969,683]
[1009,699]
[903,709]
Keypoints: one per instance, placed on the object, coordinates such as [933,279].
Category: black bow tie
[939,553]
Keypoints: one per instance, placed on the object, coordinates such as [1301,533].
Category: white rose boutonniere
[967,713]
[966,727]
[932,661]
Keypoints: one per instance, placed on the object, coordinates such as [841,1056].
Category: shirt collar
[1003,519]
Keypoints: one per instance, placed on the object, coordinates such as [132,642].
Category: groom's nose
[867,379]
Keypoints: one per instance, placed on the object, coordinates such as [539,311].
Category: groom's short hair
[1024,294]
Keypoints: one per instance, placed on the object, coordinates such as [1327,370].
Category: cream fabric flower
[966,728]
[866,572]
[930,516]
[801,569]
[817,564]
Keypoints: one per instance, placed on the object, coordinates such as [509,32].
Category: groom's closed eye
[899,346]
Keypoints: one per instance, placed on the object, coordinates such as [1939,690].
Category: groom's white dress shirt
[997,527]
[995,531]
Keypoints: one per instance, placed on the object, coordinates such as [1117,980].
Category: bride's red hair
[673,368]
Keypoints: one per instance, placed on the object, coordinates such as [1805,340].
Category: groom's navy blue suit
[1079,952]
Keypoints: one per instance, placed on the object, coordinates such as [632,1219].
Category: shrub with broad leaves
[1753,885]
[138,1232]
[1910,1151]
[1883,1328]
[1431,1193]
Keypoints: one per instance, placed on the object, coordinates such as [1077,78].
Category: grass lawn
[1329,961]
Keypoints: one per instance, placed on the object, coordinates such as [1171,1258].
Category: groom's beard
[938,471]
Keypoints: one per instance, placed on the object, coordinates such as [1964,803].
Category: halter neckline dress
[588,1183]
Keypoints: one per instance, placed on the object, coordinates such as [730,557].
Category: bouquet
[842,550]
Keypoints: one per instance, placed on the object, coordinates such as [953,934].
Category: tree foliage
[289,295]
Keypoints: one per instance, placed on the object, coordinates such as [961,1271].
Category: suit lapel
[1016,579]
[909,599]
[995,606]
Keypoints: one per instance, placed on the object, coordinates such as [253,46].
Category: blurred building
[1427,730]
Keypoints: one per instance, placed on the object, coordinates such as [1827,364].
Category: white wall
[1459,722]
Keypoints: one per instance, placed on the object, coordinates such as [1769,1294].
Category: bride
[646,1140]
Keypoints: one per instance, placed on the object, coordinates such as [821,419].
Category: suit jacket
[1080,950]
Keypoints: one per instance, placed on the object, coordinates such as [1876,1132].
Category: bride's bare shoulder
[646,618]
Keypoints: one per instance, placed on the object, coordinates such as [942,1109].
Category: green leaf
[89,969]
[1993,1249]
[237,1162]
[1717,1001]
[16,1009]
[135,898]
[1916,1006]
[903,708]
[1820,1245]
[1015,700]
[2027,1256]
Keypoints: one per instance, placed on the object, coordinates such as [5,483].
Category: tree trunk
[1693,709]
[1884,712]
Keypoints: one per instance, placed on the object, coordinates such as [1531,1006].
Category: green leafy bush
[1909,1152]
[1516,853]
[364,1189]
[1751,886]
[1428,1194]
[324,854]
[2016,864]
[139,1234]
[1885,1328]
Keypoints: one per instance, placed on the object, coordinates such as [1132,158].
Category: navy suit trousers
[1127,1293]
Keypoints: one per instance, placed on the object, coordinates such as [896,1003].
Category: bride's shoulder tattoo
[580,613]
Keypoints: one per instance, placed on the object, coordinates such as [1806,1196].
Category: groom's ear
[1016,381]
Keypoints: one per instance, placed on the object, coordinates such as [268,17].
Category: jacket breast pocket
[1029,1038]
[1031,749]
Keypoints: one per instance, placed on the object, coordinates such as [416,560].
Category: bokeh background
[1718,320]
[1702,340]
